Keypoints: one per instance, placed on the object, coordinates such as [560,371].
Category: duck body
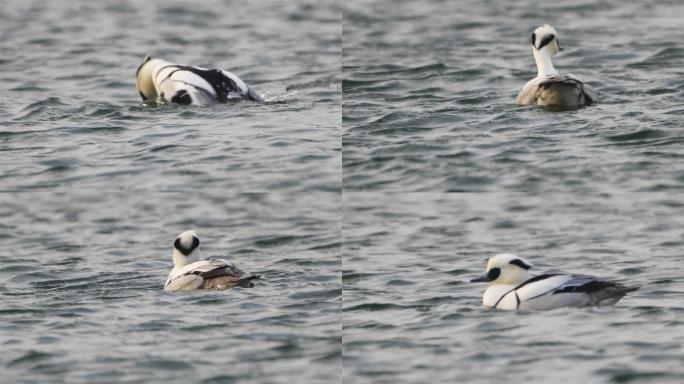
[551,291]
[550,89]
[208,274]
[161,82]
[512,287]
[191,271]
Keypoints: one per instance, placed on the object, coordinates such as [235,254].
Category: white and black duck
[191,271]
[160,81]
[512,287]
[550,89]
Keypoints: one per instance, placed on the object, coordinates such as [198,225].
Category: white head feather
[544,46]
[144,78]
[186,249]
[506,268]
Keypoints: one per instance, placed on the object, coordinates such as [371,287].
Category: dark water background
[409,312]
[71,116]
[429,97]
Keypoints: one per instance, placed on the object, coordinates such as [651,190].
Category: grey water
[82,300]
[388,162]
[429,97]
[96,186]
[72,118]
[410,313]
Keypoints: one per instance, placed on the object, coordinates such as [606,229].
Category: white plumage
[512,287]
[550,89]
[191,272]
[161,82]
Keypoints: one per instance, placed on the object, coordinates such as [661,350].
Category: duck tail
[246,282]
[615,293]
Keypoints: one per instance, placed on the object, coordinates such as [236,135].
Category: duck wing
[209,274]
[556,90]
[599,292]
[225,85]
[571,291]
[181,85]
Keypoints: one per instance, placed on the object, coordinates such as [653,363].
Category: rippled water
[429,97]
[82,295]
[409,312]
[335,190]
[71,116]
[97,186]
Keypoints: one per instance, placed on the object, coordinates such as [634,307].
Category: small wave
[665,57]
[30,358]
[639,136]
[327,82]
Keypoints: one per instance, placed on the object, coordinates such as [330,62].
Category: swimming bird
[160,81]
[190,271]
[512,287]
[549,89]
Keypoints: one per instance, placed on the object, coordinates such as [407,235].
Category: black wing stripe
[535,279]
[197,87]
[163,68]
[226,270]
[221,84]
[588,287]
[545,41]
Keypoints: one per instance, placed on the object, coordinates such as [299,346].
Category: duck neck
[544,64]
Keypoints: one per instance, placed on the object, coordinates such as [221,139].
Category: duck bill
[480,279]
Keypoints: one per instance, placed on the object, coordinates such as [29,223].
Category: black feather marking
[222,84]
[246,282]
[546,40]
[143,96]
[220,271]
[163,68]
[536,278]
[534,39]
[493,274]
[520,264]
[592,286]
[186,251]
[182,97]
[147,58]
[207,92]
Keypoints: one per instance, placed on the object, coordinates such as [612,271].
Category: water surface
[82,300]
[429,97]
[409,312]
[96,186]
[71,117]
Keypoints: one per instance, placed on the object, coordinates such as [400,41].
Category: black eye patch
[493,274]
[186,251]
[546,40]
[534,38]
[177,244]
[520,264]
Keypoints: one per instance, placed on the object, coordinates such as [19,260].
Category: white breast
[500,296]
[541,287]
